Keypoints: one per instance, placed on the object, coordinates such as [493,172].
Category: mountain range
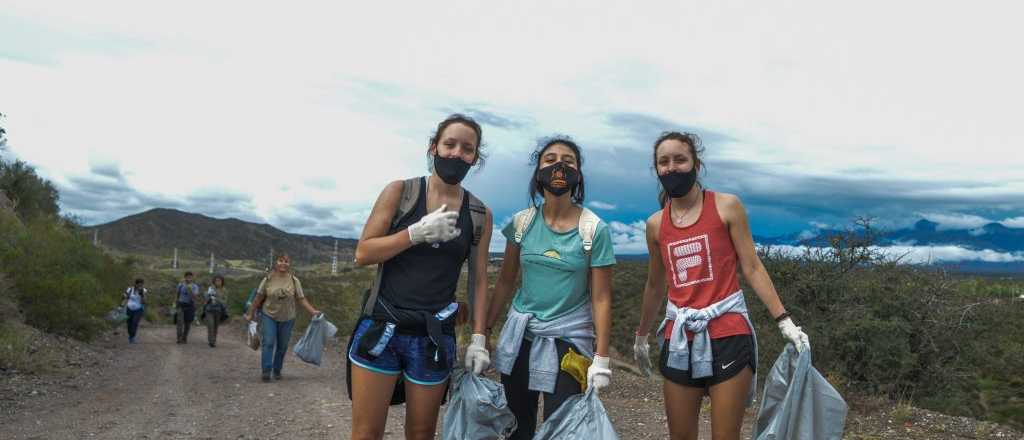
[158,232]
[992,236]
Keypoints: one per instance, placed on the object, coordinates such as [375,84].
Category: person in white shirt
[134,302]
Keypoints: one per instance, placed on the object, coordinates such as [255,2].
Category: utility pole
[211,262]
[174,265]
[334,259]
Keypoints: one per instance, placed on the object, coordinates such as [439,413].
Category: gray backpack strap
[478,216]
[406,204]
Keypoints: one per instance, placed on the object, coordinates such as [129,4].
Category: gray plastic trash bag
[798,402]
[581,417]
[118,315]
[311,347]
[477,409]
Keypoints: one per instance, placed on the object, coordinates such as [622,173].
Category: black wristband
[784,315]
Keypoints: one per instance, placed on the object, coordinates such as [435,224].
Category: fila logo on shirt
[691,261]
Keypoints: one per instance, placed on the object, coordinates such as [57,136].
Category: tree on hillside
[30,194]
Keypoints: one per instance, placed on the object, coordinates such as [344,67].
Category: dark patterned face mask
[558,179]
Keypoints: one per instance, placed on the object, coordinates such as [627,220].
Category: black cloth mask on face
[558,179]
[451,169]
[677,183]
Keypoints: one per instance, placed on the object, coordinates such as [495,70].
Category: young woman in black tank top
[422,259]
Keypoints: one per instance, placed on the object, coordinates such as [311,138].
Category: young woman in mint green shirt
[557,310]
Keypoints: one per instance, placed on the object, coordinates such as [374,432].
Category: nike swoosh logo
[724,366]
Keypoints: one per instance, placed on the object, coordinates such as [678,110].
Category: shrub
[63,284]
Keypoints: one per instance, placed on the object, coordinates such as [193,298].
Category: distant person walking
[277,297]
[187,294]
[215,308]
[134,302]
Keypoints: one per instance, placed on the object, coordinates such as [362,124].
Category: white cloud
[498,240]
[807,235]
[629,238]
[956,220]
[597,204]
[1016,222]
[818,225]
[349,92]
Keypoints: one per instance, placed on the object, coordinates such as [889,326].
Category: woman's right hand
[436,227]
[248,317]
[794,334]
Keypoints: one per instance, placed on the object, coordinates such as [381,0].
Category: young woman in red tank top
[696,242]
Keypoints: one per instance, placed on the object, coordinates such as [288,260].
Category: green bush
[62,283]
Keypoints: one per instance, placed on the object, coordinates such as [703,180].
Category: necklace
[678,218]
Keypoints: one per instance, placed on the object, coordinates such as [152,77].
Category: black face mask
[678,184]
[451,169]
[558,179]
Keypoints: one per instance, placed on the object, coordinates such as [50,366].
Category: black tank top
[425,276]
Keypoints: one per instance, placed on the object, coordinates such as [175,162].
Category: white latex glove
[253,328]
[599,375]
[794,334]
[436,227]
[642,355]
[477,358]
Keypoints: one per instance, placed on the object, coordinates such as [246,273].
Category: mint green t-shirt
[553,267]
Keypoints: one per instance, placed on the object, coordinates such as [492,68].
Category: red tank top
[700,266]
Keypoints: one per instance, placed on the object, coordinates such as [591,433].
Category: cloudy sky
[298,114]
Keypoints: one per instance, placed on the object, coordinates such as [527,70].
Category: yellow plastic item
[576,365]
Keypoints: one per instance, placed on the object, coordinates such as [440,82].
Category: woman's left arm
[601,302]
[481,303]
[735,217]
[309,307]
[302,299]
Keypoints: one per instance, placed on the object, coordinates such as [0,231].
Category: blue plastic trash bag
[477,409]
[799,404]
[311,347]
[581,417]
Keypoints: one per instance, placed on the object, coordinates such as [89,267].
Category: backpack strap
[478,216]
[407,202]
[522,221]
[411,189]
[587,229]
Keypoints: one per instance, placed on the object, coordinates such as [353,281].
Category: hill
[159,231]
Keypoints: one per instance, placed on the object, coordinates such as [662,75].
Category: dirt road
[157,389]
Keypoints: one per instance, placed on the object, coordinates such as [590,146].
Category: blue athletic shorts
[408,354]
